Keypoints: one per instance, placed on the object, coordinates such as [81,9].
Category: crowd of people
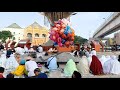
[14,64]
[91,63]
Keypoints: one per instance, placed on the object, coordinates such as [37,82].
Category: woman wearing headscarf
[96,66]
[107,65]
[112,66]
[83,66]
[103,59]
[70,68]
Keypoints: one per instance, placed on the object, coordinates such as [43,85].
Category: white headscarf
[113,57]
[103,59]
[108,57]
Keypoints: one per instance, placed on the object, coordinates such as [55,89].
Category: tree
[79,40]
[5,35]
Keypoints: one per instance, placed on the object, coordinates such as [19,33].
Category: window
[29,35]
[36,35]
[43,35]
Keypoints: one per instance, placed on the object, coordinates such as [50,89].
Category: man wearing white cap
[30,66]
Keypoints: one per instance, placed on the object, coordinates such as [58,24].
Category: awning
[23,41]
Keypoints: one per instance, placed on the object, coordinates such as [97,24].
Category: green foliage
[79,40]
[5,35]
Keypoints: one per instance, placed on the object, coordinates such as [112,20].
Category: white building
[16,30]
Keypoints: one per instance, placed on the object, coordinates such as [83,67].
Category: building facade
[37,34]
[16,30]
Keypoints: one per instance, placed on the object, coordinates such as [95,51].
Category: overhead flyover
[55,16]
[111,25]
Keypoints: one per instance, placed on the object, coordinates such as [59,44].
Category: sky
[84,23]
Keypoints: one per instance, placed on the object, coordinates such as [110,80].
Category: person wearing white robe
[10,64]
[112,66]
[40,49]
[52,61]
[26,49]
[2,60]
[19,50]
[107,65]
[103,59]
[83,66]
[89,60]
[108,57]
[30,66]
[116,65]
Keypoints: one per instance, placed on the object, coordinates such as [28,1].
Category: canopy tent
[22,43]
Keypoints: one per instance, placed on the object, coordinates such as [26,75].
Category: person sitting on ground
[96,66]
[103,59]
[39,74]
[76,53]
[70,67]
[46,54]
[30,65]
[20,69]
[83,66]
[52,63]
[1,72]
[19,50]
[112,66]
[76,74]
[72,52]
[10,62]
[10,75]
[52,50]
[2,59]
[8,53]
[31,50]
[17,57]
[40,49]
